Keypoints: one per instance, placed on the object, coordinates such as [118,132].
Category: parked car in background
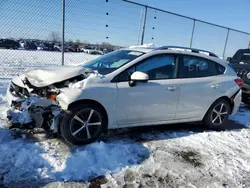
[57,48]
[30,46]
[126,88]
[105,51]
[240,62]
[95,52]
[92,51]
[74,48]
[9,44]
[46,47]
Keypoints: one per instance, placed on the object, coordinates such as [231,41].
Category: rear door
[199,82]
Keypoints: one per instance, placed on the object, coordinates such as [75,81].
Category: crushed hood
[48,76]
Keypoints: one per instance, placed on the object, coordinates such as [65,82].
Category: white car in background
[126,88]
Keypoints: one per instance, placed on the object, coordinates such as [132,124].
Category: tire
[83,124]
[217,115]
[245,98]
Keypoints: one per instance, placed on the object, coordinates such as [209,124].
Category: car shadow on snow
[164,132]
[30,160]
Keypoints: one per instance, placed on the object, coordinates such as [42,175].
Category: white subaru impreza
[126,88]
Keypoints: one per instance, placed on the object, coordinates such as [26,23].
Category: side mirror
[138,77]
[229,59]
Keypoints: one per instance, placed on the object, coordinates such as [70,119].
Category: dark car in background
[240,62]
[47,47]
[74,48]
[30,46]
[9,44]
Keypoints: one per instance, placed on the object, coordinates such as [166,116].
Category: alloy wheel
[85,124]
[219,114]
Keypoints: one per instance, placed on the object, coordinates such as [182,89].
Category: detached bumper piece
[15,125]
[34,112]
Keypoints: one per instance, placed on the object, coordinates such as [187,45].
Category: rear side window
[196,67]
[221,69]
[246,57]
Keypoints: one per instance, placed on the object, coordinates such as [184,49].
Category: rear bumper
[237,101]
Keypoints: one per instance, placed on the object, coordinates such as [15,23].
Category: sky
[230,13]
[119,23]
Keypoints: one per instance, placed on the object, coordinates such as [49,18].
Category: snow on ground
[165,156]
[242,116]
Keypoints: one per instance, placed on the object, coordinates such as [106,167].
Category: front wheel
[217,115]
[83,125]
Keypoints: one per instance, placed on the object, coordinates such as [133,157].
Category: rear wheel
[218,114]
[83,125]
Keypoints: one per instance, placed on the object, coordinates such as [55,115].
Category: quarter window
[194,67]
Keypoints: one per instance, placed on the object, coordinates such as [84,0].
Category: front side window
[195,67]
[157,67]
[112,61]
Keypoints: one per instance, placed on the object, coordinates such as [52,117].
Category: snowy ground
[164,156]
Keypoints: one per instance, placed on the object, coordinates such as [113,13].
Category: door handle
[171,88]
[215,86]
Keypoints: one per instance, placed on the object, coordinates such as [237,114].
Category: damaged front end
[29,110]
[36,106]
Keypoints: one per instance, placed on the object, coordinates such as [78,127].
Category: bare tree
[85,43]
[54,37]
[107,46]
[78,42]
[69,42]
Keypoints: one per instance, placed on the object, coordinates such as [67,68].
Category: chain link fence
[44,33]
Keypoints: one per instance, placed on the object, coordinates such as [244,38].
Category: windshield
[112,61]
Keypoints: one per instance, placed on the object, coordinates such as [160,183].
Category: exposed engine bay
[37,107]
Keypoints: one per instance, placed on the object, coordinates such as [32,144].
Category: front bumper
[31,112]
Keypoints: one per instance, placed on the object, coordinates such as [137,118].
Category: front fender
[105,95]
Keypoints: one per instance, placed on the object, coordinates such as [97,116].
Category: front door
[153,101]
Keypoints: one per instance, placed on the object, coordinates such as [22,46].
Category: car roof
[194,50]
[140,49]
[184,52]
[212,58]
[174,48]
[244,50]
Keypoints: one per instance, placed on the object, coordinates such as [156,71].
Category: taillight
[239,82]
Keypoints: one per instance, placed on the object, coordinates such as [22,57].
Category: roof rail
[187,49]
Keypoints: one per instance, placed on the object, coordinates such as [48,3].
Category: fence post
[192,36]
[144,25]
[140,25]
[63,29]
[224,51]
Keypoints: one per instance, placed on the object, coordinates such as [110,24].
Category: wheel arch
[90,101]
[229,100]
